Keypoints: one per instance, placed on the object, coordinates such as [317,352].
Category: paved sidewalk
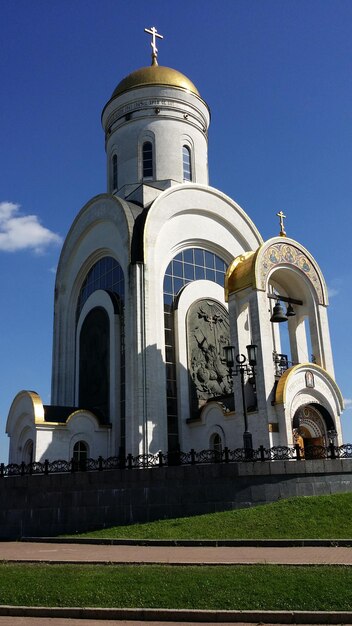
[83,553]
[77,553]
[47,621]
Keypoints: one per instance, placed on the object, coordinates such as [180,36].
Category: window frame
[114,172]
[186,150]
[151,167]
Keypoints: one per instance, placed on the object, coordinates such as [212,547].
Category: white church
[155,278]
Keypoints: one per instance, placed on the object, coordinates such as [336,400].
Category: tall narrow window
[186,160]
[94,363]
[114,171]
[147,159]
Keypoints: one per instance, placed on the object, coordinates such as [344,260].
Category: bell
[290,311]
[278,314]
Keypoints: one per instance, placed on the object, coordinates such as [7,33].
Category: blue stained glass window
[177,268]
[199,273]
[199,257]
[105,274]
[178,284]
[189,271]
[210,275]
[168,284]
[209,259]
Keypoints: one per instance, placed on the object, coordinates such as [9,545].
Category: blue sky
[277,77]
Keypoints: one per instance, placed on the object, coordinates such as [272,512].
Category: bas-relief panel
[280,253]
[207,334]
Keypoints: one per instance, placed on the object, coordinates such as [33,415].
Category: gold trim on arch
[280,394]
[251,269]
[241,273]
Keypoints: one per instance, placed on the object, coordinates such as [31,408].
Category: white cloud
[23,232]
[348,403]
[333,292]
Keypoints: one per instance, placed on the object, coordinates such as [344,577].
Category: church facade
[155,278]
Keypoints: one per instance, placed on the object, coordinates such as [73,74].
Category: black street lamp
[332,434]
[237,365]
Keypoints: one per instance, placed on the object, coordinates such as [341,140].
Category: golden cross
[282,227]
[154,33]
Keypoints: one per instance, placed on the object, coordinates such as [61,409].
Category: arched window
[80,451]
[186,162]
[80,454]
[147,159]
[107,274]
[216,443]
[114,172]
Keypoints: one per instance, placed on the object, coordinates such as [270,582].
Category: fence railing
[142,461]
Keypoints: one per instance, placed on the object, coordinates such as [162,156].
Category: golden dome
[241,273]
[155,75]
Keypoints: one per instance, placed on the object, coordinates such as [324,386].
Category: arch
[28,451]
[299,338]
[80,450]
[216,443]
[287,273]
[195,209]
[107,274]
[108,220]
[312,426]
[283,385]
[252,269]
[315,419]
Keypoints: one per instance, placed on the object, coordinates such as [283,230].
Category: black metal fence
[142,461]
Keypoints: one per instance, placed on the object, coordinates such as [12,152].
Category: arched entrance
[311,425]
[27,455]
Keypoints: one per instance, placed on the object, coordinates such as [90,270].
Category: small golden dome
[155,75]
[241,273]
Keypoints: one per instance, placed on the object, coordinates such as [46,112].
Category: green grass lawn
[274,587]
[315,517]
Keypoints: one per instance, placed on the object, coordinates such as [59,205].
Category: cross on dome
[154,33]
[282,227]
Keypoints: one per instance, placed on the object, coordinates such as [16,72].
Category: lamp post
[239,364]
[332,434]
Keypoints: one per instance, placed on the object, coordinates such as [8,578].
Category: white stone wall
[101,229]
[166,116]
[180,218]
